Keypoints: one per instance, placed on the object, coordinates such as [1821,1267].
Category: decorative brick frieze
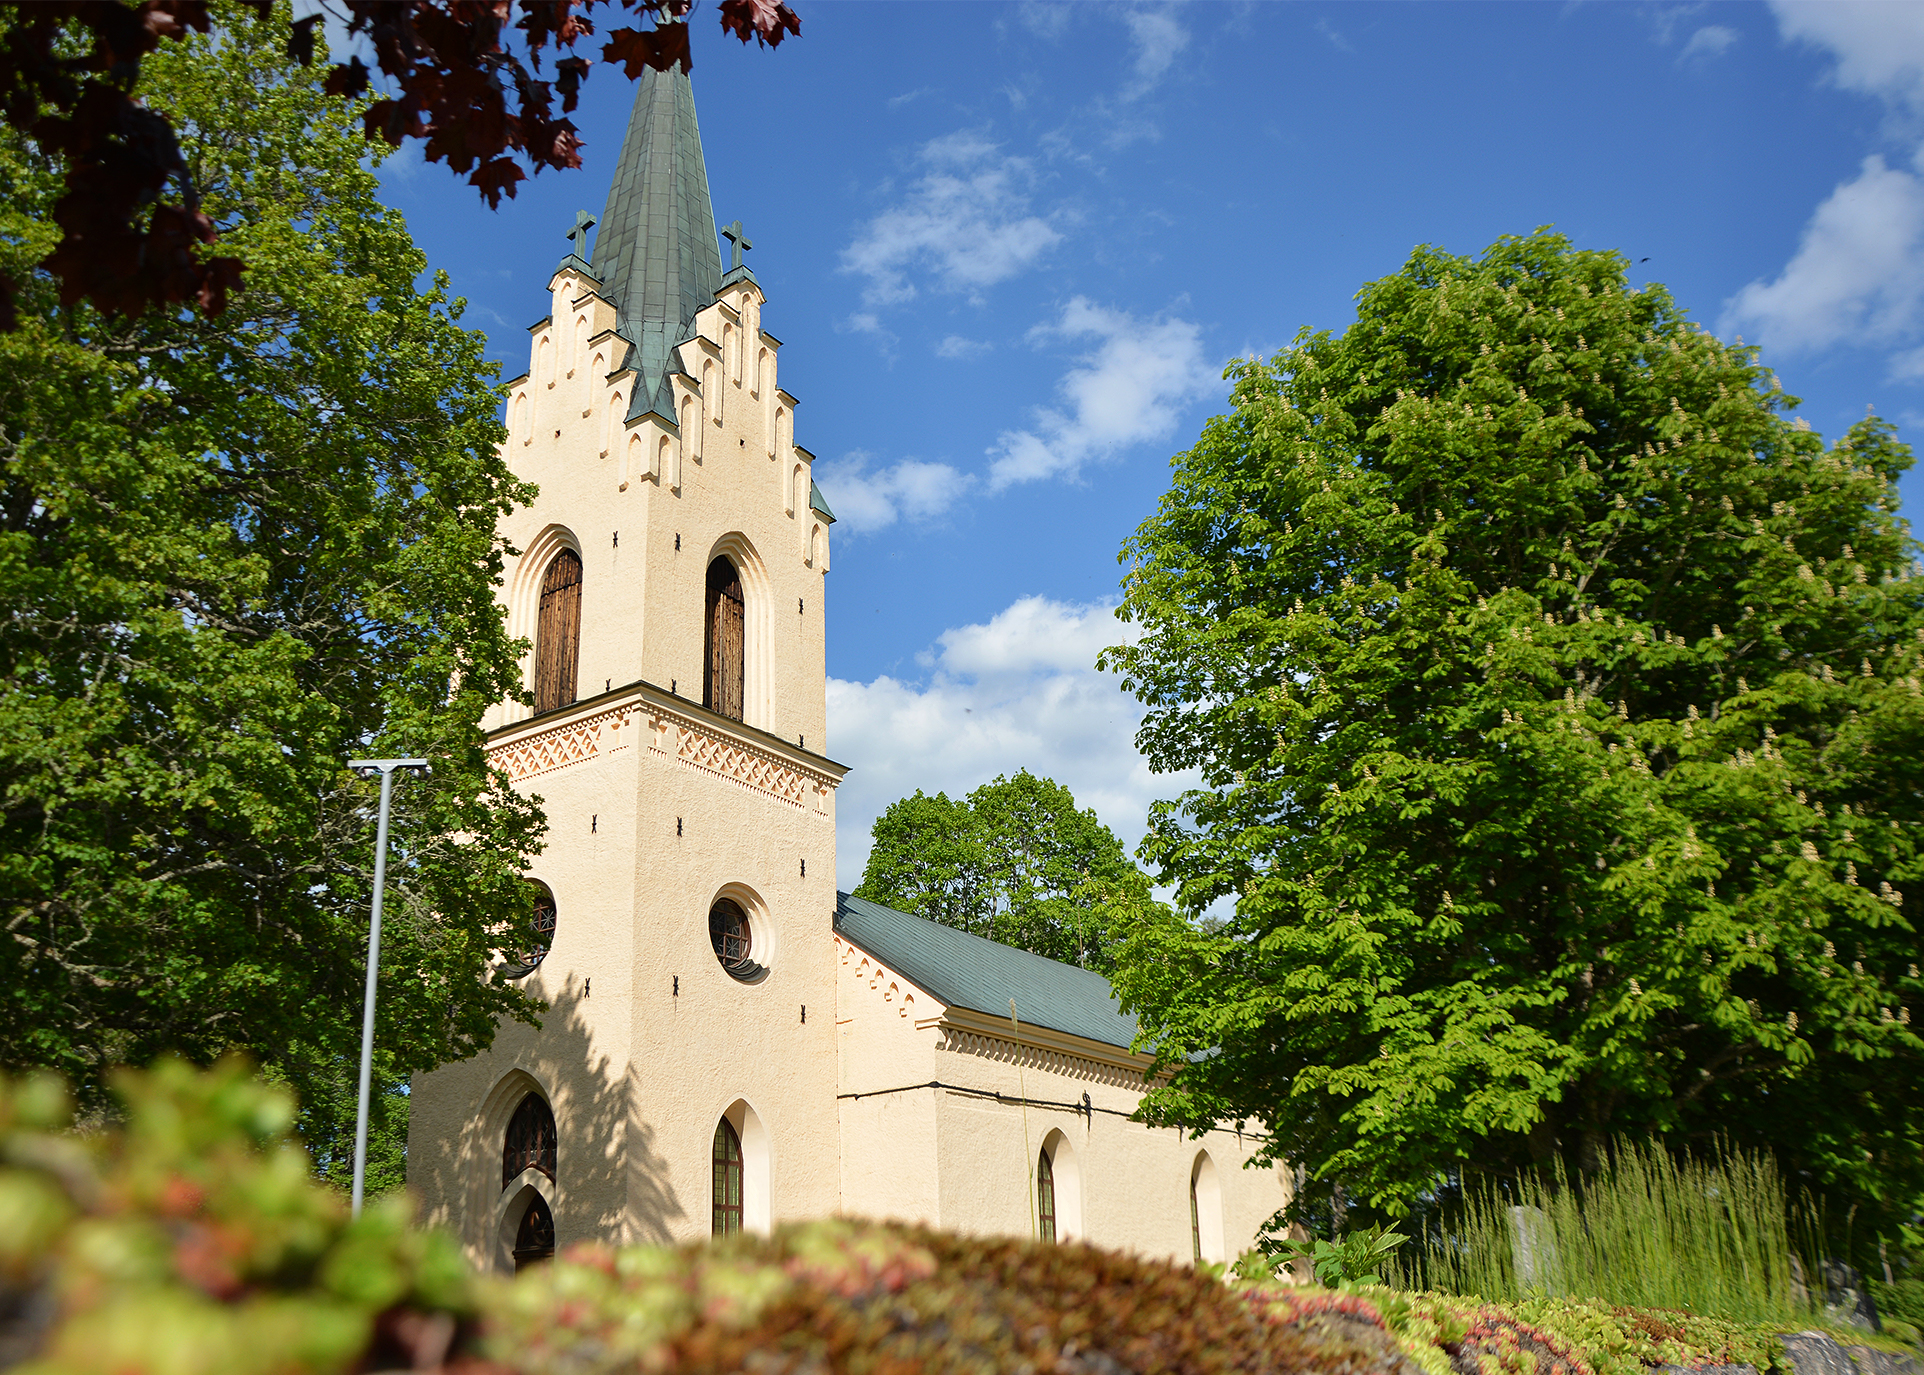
[571,742]
[738,761]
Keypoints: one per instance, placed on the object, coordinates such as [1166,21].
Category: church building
[731,1043]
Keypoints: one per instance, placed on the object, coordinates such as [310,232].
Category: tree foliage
[465,77]
[1557,699]
[1014,861]
[234,553]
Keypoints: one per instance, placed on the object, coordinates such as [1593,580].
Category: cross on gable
[579,234]
[733,233]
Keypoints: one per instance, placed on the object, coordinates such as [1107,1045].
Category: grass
[1708,1235]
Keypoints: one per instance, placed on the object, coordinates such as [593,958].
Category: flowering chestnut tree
[1557,697]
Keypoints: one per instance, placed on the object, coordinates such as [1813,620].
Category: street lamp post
[386,768]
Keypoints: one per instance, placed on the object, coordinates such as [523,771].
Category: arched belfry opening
[725,636]
[557,636]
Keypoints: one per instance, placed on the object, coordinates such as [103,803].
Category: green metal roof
[818,502]
[961,970]
[657,255]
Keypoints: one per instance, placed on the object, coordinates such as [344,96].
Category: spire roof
[657,256]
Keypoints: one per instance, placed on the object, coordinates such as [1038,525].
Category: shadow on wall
[609,1184]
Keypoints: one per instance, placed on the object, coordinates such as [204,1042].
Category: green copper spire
[657,256]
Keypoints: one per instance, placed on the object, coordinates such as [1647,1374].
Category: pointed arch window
[1045,1197]
[1195,1222]
[722,674]
[530,1143]
[728,1180]
[534,1238]
[557,636]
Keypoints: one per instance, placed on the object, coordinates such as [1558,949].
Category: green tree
[234,553]
[1014,861]
[1557,699]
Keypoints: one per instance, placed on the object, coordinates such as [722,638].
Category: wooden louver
[722,675]
[557,636]
[530,1143]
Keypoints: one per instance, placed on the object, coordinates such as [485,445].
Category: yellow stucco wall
[925,1138]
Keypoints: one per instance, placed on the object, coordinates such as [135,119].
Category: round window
[526,947]
[734,940]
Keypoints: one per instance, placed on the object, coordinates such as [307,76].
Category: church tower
[670,583]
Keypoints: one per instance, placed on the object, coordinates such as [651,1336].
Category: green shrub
[1354,1258]
[1903,1300]
[193,1238]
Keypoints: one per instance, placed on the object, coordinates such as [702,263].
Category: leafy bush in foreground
[193,1238]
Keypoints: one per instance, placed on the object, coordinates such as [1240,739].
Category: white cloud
[1130,389]
[1857,275]
[965,224]
[1159,38]
[1340,43]
[1713,40]
[1044,20]
[1665,20]
[910,490]
[955,346]
[1878,45]
[1018,692]
[1908,367]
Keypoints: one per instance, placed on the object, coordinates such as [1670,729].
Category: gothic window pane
[1045,1194]
[724,641]
[530,1143]
[557,636]
[728,1180]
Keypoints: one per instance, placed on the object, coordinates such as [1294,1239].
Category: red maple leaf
[766,21]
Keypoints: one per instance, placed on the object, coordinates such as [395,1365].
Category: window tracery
[530,1141]
[733,939]
[528,946]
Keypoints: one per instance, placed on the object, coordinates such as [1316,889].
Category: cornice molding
[1039,1038]
[671,726]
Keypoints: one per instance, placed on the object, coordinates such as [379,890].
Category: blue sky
[1009,247]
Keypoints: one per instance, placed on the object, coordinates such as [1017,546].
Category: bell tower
[670,583]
